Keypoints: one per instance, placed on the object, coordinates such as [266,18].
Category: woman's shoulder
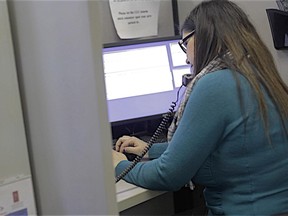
[224,79]
[219,75]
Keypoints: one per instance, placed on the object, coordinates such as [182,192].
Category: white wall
[256,10]
[13,151]
[59,59]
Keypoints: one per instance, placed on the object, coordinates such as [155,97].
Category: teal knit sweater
[221,143]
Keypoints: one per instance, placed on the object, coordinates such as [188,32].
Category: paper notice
[135,18]
[17,197]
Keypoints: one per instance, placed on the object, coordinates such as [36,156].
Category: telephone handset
[186,78]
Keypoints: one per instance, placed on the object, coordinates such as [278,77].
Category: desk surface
[129,195]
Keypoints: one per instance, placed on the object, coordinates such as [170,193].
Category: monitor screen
[142,77]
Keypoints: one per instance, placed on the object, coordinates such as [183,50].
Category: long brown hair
[222,26]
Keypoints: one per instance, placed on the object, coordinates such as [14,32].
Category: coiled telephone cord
[153,139]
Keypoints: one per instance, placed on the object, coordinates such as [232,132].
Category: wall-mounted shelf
[278,21]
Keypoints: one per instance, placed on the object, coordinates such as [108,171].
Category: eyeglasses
[183,43]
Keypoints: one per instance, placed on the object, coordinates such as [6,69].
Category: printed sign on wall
[17,197]
[135,18]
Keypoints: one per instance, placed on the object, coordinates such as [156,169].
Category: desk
[136,200]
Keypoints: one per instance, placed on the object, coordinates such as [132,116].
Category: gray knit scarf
[216,64]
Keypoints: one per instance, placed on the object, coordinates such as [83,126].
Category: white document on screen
[135,18]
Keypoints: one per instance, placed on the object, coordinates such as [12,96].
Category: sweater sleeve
[198,134]
[157,150]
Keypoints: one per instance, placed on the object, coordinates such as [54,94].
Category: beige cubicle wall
[59,62]
[14,161]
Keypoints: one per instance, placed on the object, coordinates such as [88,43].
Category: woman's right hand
[130,144]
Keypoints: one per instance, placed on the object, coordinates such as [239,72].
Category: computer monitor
[142,77]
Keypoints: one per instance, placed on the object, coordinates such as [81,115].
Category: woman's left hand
[117,157]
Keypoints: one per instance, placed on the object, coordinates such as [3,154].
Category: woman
[230,132]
